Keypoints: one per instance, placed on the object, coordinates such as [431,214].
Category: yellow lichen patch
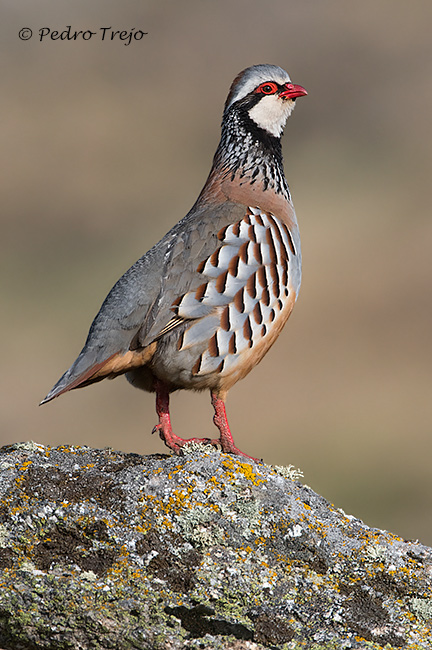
[215,482]
[143,528]
[243,468]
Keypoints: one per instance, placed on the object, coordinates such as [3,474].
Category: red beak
[292,91]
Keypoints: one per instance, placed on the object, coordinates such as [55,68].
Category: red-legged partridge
[204,305]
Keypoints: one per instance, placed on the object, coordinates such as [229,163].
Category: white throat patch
[271,113]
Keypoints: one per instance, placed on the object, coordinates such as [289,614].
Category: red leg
[220,420]
[164,426]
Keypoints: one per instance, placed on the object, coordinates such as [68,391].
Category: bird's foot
[175,443]
[228,448]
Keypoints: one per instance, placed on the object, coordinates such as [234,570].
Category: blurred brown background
[106,146]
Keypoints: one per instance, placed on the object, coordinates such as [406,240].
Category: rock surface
[102,549]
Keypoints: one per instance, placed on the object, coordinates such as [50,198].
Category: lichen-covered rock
[101,549]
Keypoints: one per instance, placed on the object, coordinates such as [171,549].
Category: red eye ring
[267,88]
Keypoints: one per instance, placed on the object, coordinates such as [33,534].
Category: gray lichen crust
[101,549]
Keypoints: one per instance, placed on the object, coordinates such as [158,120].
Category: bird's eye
[267,88]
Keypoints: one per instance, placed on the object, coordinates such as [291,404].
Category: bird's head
[265,93]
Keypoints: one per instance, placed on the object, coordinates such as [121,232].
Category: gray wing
[192,241]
